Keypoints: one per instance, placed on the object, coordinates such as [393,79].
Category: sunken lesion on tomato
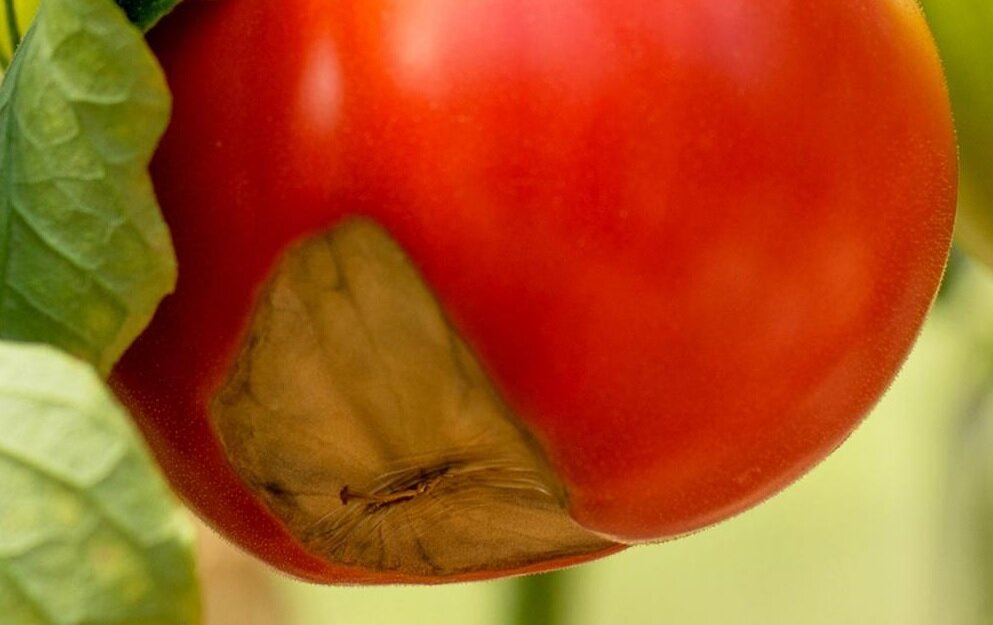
[367,426]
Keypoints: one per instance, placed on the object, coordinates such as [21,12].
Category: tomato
[470,289]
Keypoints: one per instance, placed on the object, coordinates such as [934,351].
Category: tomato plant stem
[12,30]
[541,599]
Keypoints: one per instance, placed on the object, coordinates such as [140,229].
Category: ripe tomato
[478,288]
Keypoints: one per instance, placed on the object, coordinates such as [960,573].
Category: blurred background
[895,528]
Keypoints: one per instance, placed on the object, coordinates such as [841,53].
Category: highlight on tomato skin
[473,289]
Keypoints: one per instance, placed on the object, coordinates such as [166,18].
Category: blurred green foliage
[964,33]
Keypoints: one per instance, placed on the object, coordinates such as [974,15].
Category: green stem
[12,30]
[4,62]
[541,599]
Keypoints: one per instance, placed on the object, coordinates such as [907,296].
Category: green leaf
[89,533]
[84,254]
[145,13]
[962,29]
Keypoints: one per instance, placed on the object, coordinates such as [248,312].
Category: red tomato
[689,242]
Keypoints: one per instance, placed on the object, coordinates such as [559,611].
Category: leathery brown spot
[364,422]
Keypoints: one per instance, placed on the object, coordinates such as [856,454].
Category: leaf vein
[80,489]
[46,312]
[93,276]
[31,601]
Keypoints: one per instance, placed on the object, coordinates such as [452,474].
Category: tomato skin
[682,363]
[691,241]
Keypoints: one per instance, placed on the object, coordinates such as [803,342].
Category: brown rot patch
[365,423]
